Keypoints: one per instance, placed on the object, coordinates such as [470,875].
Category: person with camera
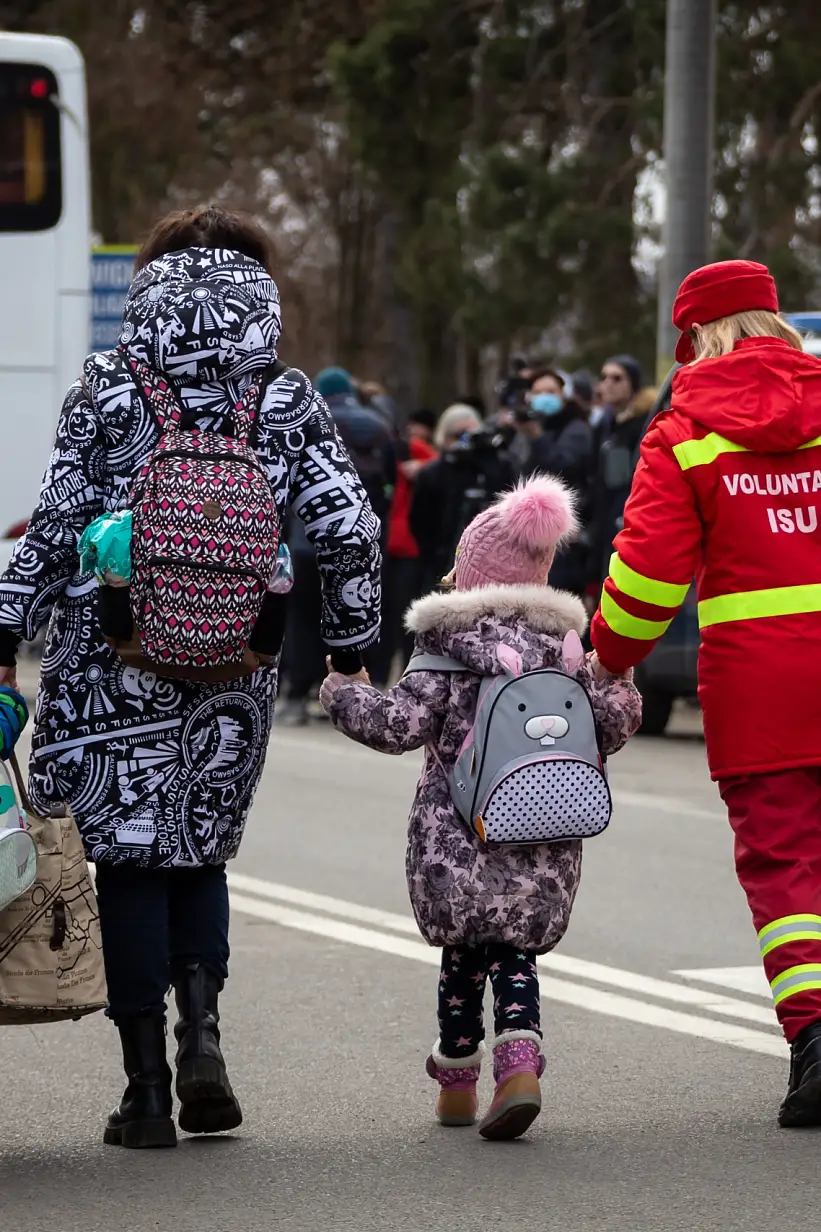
[473,468]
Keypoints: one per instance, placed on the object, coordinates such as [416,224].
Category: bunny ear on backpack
[572,652]
[510,659]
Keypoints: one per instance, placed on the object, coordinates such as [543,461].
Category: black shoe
[208,1103]
[143,1116]
[802,1105]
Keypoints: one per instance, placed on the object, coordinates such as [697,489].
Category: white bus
[45,230]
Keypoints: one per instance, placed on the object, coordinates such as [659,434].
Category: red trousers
[776,819]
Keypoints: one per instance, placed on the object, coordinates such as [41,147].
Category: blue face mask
[547,404]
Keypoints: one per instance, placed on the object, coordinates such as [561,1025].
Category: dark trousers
[304,653]
[401,584]
[156,922]
[465,971]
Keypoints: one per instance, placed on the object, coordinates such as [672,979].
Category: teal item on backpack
[105,548]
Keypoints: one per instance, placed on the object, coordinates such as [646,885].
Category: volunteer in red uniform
[728,490]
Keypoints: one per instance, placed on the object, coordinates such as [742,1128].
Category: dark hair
[631,367]
[208,226]
[584,384]
[425,417]
[546,370]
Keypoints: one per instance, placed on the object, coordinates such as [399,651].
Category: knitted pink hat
[514,541]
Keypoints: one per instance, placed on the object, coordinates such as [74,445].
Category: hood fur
[541,608]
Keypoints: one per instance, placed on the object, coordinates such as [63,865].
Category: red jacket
[728,490]
[400,540]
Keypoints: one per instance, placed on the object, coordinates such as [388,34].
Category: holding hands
[333,681]
[601,674]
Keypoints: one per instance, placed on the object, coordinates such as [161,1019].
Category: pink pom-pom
[539,514]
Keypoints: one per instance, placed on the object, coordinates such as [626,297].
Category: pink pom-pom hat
[514,541]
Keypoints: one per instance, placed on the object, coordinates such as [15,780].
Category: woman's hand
[360,677]
[8,675]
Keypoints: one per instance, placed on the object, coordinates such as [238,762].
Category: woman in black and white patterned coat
[161,773]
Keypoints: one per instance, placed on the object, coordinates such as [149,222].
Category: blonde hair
[460,412]
[719,337]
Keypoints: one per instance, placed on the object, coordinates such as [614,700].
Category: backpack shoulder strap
[434,663]
[156,391]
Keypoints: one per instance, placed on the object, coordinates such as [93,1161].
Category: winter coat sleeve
[656,557]
[71,496]
[328,496]
[406,717]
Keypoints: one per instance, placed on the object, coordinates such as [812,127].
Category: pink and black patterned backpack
[204,543]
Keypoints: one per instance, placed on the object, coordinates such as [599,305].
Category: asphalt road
[661,1091]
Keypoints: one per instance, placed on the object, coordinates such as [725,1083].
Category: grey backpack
[529,770]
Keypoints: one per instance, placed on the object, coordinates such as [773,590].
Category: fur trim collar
[541,608]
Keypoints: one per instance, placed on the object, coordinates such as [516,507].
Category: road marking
[357,753]
[581,968]
[321,902]
[751,980]
[665,990]
[582,996]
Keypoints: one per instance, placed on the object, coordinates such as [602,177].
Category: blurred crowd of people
[428,474]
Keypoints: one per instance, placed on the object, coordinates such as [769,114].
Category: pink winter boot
[458,1103]
[518,1065]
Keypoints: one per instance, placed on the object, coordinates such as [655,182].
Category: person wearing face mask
[616,439]
[560,442]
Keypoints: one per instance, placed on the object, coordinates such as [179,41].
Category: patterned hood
[203,316]
[468,625]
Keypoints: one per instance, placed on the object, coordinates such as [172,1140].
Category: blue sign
[112,268]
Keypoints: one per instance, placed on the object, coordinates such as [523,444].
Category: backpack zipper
[207,567]
[206,456]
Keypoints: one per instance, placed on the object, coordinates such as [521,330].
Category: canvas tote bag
[51,953]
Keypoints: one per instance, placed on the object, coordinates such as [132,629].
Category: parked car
[808,324]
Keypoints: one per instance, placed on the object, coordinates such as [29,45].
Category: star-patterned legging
[465,970]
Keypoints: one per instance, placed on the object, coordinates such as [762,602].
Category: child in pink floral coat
[491,909]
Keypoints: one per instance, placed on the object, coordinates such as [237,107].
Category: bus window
[30,180]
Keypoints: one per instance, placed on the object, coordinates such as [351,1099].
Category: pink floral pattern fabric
[462,891]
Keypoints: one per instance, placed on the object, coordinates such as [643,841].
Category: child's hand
[602,675]
[334,680]
[329,687]
[360,677]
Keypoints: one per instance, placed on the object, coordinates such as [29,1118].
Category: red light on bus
[39,88]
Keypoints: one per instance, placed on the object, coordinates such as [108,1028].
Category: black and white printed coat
[162,772]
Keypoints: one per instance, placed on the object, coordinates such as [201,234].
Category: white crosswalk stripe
[391,933]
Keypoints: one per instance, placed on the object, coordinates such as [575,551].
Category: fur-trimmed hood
[540,608]
[470,625]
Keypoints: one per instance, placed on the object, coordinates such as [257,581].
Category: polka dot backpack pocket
[530,769]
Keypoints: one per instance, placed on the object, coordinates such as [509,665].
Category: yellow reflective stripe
[755,604]
[700,453]
[789,928]
[804,918]
[625,625]
[648,590]
[802,978]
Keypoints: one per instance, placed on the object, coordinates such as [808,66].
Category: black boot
[802,1105]
[143,1117]
[208,1103]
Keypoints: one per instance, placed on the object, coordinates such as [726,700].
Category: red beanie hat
[720,290]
